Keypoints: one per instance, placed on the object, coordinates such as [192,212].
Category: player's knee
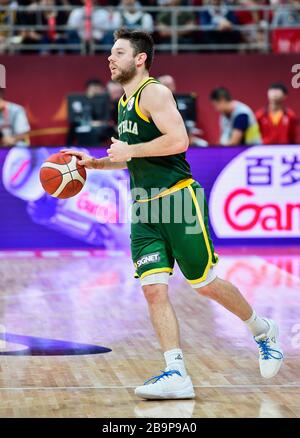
[205,291]
[210,290]
[155,293]
[217,289]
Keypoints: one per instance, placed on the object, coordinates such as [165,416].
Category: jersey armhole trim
[119,103]
[135,91]
[137,98]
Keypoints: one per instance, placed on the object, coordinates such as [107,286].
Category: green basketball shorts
[173,227]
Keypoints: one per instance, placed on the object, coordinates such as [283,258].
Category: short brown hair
[141,42]
[220,93]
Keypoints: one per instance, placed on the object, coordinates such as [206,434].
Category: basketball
[61,176]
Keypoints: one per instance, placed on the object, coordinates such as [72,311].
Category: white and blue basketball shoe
[270,353]
[168,385]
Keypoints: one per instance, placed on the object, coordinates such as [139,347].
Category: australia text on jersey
[128,126]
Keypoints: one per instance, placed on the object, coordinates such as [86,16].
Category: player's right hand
[84,159]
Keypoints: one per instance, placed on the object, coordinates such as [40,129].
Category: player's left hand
[119,151]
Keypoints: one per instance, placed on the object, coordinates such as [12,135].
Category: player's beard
[125,76]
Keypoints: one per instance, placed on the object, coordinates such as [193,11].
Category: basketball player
[152,144]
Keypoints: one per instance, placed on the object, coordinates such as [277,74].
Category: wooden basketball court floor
[91,299]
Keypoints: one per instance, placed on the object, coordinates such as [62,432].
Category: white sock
[257,325]
[174,360]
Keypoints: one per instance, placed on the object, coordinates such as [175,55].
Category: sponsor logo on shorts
[149,258]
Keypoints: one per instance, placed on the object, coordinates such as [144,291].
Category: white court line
[58,388]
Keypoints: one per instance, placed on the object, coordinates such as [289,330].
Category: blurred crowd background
[93,117]
[67,28]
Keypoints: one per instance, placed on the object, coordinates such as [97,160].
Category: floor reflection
[87,300]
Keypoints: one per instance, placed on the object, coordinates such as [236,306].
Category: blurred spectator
[288,15]
[184,102]
[115,92]
[7,18]
[185,19]
[194,134]
[94,87]
[219,22]
[187,110]
[132,16]
[103,23]
[14,126]
[89,115]
[117,2]
[277,122]
[249,15]
[238,124]
[37,16]
[168,81]
[258,18]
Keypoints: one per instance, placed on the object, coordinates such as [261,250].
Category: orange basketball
[61,176]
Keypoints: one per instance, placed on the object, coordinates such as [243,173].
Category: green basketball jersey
[134,127]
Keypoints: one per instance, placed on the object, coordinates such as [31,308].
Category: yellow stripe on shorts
[202,225]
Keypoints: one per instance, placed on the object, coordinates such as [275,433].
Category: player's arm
[236,137]
[11,140]
[95,163]
[20,128]
[157,103]
[105,163]
[240,126]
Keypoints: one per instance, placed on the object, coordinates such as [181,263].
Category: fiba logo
[296,77]
[2,76]
[130,104]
